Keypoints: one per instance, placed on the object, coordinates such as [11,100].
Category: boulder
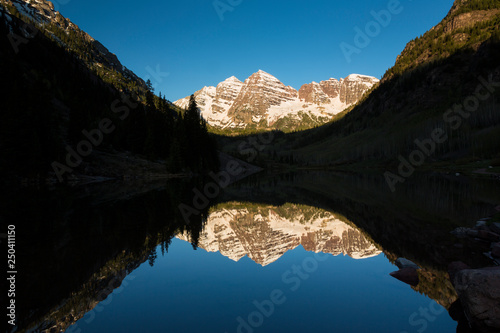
[456,267]
[405,263]
[480,223]
[483,227]
[481,243]
[407,275]
[457,313]
[479,292]
[460,232]
[488,236]
[495,227]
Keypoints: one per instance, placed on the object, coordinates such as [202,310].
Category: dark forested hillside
[446,82]
[56,111]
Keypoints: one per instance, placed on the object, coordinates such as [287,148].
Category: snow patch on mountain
[296,110]
[265,235]
[264,98]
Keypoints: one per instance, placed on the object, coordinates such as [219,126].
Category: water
[188,291]
[288,253]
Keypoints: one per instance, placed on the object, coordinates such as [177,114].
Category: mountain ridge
[434,74]
[262,101]
[265,233]
[42,14]
[61,86]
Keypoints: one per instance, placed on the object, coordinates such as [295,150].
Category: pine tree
[192,130]
[149,86]
[150,97]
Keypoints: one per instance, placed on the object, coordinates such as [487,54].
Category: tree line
[50,97]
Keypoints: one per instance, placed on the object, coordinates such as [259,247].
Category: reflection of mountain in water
[264,233]
[80,243]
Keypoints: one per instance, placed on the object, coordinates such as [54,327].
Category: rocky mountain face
[467,25]
[95,290]
[265,233]
[259,93]
[43,14]
[263,102]
[348,90]
[435,74]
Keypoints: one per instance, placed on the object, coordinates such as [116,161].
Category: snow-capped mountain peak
[268,233]
[262,100]
[232,79]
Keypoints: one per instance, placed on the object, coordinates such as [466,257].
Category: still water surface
[305,252]
[188,291]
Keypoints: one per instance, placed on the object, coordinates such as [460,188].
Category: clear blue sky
[296,41]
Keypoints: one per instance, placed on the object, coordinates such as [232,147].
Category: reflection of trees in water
[73,241]
[414,222]
[451,197]
[70,241]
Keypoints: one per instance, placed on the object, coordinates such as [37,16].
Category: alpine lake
[291,252]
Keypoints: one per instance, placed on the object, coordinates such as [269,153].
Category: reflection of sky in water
[199,291]
[71,264]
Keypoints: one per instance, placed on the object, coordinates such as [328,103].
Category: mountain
[445,81]
[72,112]
[263,102]
[265,233]
[43,14]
